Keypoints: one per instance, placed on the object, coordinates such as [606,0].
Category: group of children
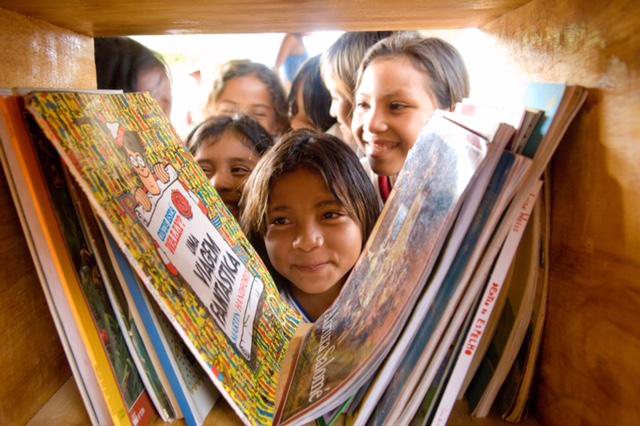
[307,175]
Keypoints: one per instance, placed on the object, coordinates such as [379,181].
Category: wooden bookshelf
[588,372]
[65,409]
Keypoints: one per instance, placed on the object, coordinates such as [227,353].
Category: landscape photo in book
[182,241]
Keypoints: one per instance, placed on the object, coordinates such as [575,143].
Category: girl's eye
[208,172]
[397,106]
[362,105]
[240,171]
[279,221]
[332,215]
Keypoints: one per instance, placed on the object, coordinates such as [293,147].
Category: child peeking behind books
[227,149]
[311,203]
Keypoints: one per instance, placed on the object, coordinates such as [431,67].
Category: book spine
[145,312]
[66,274]
[487,303]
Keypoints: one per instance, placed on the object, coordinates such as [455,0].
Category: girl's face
[311,239]
[249,96]
[227,162]
[155,81]
[393,103]
[340,104]
[301,120]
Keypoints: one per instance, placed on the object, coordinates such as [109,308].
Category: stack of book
[157,295]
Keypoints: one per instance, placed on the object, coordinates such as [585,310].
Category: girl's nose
[376,121]
[308,237]
[221,181]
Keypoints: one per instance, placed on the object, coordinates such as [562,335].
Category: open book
[208,281]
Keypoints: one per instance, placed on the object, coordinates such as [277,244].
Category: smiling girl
[401,81]
[311,203]
[339,68]
[250,88]
[227,149]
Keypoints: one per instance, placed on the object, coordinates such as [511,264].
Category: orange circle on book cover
[181,203]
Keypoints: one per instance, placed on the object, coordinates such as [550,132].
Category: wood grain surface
[32,363]
[38,54]
[122,17]
[591,347]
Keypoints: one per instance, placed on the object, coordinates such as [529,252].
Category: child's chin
[383,168]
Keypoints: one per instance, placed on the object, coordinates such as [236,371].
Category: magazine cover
[349,341]
[179,236]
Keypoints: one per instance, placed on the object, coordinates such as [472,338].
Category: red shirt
[384,184]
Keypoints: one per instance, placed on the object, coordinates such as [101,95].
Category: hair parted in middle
[327,155]
[447,76]
[243,68]
[211,129]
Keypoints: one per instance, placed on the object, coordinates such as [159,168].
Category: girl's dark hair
[440,61]
[315,96]
[338,165]
[211,129]
[243,68]
[120,61]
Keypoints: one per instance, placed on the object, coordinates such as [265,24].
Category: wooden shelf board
[66,408]
[122,17]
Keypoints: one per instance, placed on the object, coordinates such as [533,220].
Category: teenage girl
[339,67]
[309,101]
[311,203]
[401,81]
[227,149]
[253,89]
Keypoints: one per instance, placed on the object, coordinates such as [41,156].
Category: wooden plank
[65,408]
[32,363]
[460,417]
[122,17]
[591,347]
[38,54]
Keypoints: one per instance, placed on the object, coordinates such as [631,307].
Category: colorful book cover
[178,236]
[347,344]
[68,331]
[424,414]
[395,393]
[62,271]
[121,311]
[457,234]
[523,378]
[92,282]
[155,332]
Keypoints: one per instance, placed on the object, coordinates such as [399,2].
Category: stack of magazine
[161,303]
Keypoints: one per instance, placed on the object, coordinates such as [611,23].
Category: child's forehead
[227,138]
[388,75]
